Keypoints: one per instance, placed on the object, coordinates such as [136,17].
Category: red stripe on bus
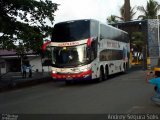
[79,75]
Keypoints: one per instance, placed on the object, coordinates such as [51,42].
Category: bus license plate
[69,78]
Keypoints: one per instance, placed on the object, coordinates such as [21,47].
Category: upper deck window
[71,31]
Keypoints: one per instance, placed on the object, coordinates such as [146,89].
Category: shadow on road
[13,81]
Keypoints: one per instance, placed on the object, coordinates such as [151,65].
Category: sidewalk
[14,80]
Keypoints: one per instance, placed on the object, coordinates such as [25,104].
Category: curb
[17,85]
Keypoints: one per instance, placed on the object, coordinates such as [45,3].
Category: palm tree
[112,19]
[126,10]
[150,11]
[126,15]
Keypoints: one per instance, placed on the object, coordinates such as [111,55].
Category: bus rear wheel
[101,76]
[106,75]
[124,67]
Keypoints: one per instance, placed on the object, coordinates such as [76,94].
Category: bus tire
[101,75]
[124,68]
[106,73]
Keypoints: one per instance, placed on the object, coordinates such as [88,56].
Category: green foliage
[24,21]
[131,13]
[112,19]
[150,11]
[138,41]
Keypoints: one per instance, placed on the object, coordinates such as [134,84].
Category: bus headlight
[54,72]
[86,69]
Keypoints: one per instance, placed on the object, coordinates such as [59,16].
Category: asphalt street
[122,93]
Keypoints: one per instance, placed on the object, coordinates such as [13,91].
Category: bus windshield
[69,56]
[71,31]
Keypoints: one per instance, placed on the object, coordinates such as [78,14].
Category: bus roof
[69,21]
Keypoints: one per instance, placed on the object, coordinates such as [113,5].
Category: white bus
[87,50]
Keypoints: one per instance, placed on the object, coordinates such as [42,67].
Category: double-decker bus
[87,49]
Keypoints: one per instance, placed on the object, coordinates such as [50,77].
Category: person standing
[30,71]
[24,67]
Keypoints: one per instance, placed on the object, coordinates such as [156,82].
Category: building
[150,29]
[10,61]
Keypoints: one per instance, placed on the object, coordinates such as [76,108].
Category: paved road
[125,93]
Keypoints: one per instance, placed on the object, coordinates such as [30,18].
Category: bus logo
[69,44]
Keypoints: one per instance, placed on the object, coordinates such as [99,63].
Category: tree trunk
[127,10]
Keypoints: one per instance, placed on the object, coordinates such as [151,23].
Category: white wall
[3,70]
[36,61]
[2,67]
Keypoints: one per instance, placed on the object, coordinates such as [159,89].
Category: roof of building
[4,52]
[130,22]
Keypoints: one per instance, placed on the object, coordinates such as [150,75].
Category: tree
[112,19]
[24,22]
[126,16]
[150,11]
[126,13]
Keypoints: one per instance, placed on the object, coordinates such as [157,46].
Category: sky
[91,9]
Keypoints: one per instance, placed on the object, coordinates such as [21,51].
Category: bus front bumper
[75,77]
